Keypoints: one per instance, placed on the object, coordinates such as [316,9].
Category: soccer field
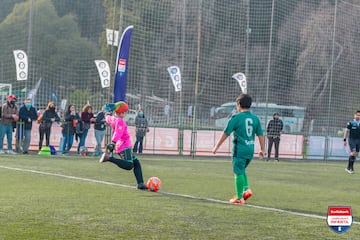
[68,197]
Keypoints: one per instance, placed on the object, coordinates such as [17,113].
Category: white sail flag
[32,93]
[175,75]
[21,62]
[104,72]
[112,37]
[63,104]
[241,78]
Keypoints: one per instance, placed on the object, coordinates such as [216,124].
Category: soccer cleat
[104,158]
[349,171]
[11,152]
[142,187]
[2,152]
[247,194]
[234,200]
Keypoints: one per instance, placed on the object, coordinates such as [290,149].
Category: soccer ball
[154,184]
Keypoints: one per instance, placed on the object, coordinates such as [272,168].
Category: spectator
[9,116]
[190,111]
[27,115]
[166,110]
[68,128]
[141,125]
[48,118]
[99,129]
[87,117]
[274,128]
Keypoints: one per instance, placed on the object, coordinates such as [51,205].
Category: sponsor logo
[339,219]
[251,142]
[122,65]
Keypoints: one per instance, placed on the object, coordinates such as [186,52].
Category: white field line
[169,193]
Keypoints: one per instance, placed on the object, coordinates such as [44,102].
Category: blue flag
[122,62]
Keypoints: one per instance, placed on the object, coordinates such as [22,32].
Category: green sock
[246,184]
[239,185]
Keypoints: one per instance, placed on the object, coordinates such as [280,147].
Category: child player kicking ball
[123,146]
[244,125]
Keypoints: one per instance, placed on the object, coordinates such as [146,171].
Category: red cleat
[234,200]
[247,194]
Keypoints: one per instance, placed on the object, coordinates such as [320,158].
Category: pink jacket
[121,136]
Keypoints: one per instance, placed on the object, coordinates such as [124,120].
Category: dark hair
[244,100]
[68,108]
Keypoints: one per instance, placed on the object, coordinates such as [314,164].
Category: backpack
[52,150]
[79,129]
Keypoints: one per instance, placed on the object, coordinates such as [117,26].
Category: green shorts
[239,165]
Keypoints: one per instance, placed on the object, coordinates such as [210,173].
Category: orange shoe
[234,200]
[247,194]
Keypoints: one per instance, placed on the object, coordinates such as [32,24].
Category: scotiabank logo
[339,219]
[122,65]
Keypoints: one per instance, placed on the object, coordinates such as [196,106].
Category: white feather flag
[21,62]
[175,75]
[104,72]
[241,78]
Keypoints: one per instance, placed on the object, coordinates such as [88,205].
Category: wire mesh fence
[300,58]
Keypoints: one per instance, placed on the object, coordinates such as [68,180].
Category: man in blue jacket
[27,114]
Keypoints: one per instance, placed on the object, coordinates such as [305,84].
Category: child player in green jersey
[244,126]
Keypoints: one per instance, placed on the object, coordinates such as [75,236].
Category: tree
[6,7]
[58,53]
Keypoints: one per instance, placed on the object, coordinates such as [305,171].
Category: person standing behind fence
[274,128]
[27,115]
[9,116]
[141,125]
[87,116]
[99,129]
[353,133]
[68,128]
[49,116]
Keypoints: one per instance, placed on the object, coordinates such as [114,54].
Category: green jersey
[244,126]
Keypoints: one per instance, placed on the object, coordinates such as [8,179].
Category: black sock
[138,172]
[351,163]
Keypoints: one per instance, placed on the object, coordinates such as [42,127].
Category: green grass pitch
[70,197]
